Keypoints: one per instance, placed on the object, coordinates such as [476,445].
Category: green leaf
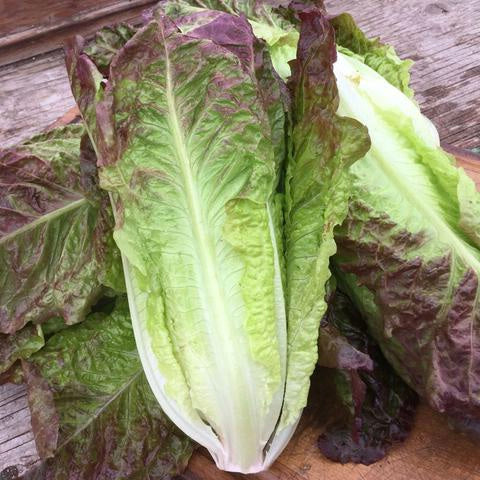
[378,56]
[106,44]
[236,35]
[323,145]
[93,412]
[55,232]
[19,345]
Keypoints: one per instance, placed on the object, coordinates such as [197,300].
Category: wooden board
[443,39]
[25,19]
[32,27]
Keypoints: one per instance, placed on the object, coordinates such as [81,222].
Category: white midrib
[232,400]
[43,219]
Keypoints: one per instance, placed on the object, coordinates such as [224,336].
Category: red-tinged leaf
[368,408]
[87,384]
[44,416]
[55,232]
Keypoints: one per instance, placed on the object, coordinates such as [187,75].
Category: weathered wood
[33,94]
[30,18]
[17,446]
[29,28]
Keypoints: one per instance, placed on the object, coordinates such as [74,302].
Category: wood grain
[24,19]
[31,27]
[33,94]
[17,445]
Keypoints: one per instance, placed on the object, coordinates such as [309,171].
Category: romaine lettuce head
[185,149]
[409,250]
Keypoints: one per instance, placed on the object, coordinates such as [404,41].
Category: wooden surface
[32,27]
[442,37]
[24,19]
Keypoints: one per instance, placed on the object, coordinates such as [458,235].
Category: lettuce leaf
[55,232]
[267,19]
[20,345]
[323,146]
[378,56]
[97,418]
[366,407]
[409,250]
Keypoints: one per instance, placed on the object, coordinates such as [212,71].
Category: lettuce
[365,407]
[185,149]
[20,345]
[409,250]
[323,145]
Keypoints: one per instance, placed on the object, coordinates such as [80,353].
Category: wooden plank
[31,18]
[33,94]
[17,446]
[51,33]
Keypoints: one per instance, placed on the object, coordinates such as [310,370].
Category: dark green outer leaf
[55,232]
[110,424]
